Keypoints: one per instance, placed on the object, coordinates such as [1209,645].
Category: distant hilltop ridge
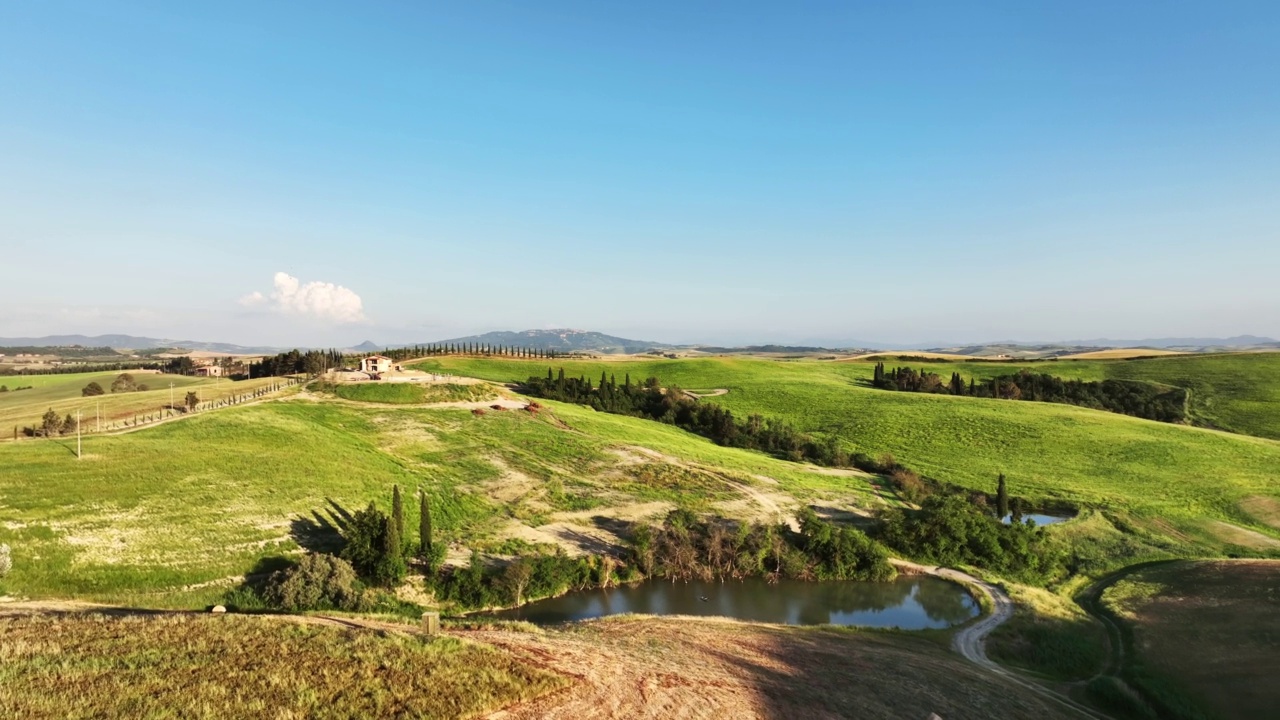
[586,341]
[564,340]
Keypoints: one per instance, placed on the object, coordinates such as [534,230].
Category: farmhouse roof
[376,357]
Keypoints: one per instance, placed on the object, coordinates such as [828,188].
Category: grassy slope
[183,505]
[1239,392]
[1049,451]
[82,665]
[410,393]
[1207,630]
[62,393]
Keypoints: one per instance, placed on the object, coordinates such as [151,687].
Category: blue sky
[719,172]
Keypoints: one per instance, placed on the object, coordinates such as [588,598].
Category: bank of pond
[915,602]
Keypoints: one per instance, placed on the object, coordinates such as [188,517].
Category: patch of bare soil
[630,667]
[1244,537]
[1265,510]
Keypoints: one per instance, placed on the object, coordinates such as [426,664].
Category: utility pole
[171,397]
[78,454]
[97,412]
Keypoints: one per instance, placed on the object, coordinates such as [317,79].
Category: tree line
[673,406]
[295,362]
[688,547]
[1126,397]
[471,348]
[83,368]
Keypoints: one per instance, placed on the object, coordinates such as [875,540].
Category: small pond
[1041,520]
[910,602]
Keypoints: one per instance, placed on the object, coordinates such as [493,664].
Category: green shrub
[317,582]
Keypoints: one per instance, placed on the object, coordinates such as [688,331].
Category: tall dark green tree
[372,548]
[397,518]
[424,525]
[1002,497]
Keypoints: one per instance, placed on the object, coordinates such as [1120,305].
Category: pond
[910,602]
[1041,520]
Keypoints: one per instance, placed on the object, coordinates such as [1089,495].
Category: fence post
[431,623]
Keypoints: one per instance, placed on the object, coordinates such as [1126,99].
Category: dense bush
[317,582]
[908,485]
[686,547]
[92,389]
[374,547]
[530,577]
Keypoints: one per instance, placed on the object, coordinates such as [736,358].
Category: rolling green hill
[173,515]
[62,393]
[1173,473]
[1239,392]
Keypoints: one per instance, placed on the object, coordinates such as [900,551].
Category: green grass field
[1170,474]
[62,394]
[1239,392]
[173,515]
[410,393]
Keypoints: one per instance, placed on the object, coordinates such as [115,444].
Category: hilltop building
[375,364]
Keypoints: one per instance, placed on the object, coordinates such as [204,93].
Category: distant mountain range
[131,342]
[567,340]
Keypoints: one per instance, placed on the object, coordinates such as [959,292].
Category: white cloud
[320,300]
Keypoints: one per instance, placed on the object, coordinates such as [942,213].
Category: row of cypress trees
[377,546]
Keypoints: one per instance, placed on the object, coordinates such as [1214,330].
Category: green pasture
[173,515]
[402,393]
[62,393]
[1239,392]
[1050,452]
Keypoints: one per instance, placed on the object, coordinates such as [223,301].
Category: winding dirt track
[971,641]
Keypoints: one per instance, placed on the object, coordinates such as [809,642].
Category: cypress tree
[397,518]
[1002,497]
[424,526]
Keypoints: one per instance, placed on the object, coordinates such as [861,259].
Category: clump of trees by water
[1126,397]
[686,547]
[952,529]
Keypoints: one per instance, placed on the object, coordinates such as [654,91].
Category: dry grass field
[88,665]
[1121,354]
[632,667]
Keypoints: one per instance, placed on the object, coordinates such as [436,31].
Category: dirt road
[971,641]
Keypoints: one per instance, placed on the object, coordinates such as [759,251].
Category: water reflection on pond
[911,603]
[1039,519]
